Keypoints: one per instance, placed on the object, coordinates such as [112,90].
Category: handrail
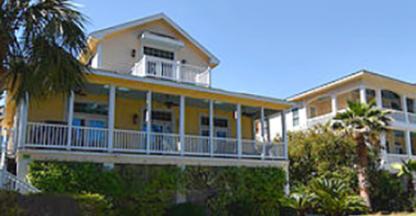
[50,136]
[12,183]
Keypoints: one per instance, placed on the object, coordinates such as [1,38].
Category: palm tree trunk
[362,165]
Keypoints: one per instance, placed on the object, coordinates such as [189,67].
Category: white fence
[54,136]
[171,70]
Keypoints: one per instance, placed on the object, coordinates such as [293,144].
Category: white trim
[148,120]
[239,131]
[100,34]
[189,87]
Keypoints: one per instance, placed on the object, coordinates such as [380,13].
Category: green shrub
[225,188]
[387,192]
[187,209]
[9,204]
[93,204]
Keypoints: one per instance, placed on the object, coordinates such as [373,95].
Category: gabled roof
[353,76]
[99,34]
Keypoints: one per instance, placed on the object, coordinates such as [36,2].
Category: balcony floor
[151,159]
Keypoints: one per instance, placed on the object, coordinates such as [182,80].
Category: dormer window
[159,53]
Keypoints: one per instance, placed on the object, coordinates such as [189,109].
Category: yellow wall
[54,109]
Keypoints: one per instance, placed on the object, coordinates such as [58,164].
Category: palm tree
[363,122]
[40,41]
[334,197]
[406,168]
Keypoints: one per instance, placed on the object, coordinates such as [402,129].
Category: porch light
[123,89]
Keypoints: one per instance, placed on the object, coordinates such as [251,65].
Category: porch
[109,120]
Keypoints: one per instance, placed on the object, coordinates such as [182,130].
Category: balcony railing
[54,136]
[150,66]
[322,119]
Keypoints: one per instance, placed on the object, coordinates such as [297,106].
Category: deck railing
[167,69]
[54,136]
[11,183]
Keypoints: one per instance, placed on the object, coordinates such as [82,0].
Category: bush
[321,152]
[151,190]
[9,204]
[232,190]
[187,209]
[387,192]
[93,204]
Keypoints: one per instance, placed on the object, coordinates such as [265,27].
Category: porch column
[262,132]
[23,115]
[111,116]
[284,136]
[211,127]
[148,120]
[334,104]
[70,118]
[239,135]
[379,98]
[404,105]
[182,124]
[363,98]
[408,143]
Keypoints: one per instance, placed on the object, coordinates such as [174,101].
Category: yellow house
[149,100]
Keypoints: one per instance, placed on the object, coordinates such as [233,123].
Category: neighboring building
[149,100]
[320,104]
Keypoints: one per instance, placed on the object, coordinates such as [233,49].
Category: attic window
[159,53]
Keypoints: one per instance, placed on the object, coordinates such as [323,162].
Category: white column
[334,104]
[239,135]
[111,116]
[408,143]
[211,127]
[23,115]
[384,147]
[404,105]
[262,132]
[178,70]
[70,118]
[379,99]
[363,98]
[284,136]
[148,120]
[182,124]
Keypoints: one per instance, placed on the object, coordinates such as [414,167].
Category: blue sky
[279,48]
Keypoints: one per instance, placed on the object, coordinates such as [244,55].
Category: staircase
[10,182]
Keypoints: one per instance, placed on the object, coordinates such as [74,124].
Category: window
[413,142]
[91,108]
[320,106]
[218,122]
[395,142]
[343,99]
[159,115]
[391,100]
[159,53]
[410,103]
[295,117]
[370,95]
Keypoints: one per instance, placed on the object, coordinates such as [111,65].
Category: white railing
[171,70]
[320,119]
[11,183]
[412,118]
[397,115]
[129,141]
[390,158]
[197,145]
[51,136]
[164,143]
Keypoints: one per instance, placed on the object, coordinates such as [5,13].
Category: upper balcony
[150,66]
